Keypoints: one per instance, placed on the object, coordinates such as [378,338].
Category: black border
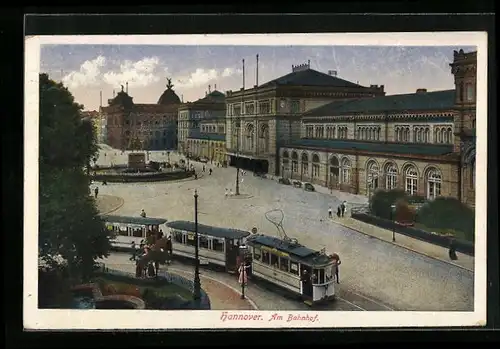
[122,24]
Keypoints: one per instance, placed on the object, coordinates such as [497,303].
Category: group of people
[341,210]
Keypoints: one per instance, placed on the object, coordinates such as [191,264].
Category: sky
[89,69]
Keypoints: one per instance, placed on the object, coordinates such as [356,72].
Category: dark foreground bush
[381,202]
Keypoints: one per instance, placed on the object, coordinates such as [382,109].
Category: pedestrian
[343,208]
[203,169]
[96,191]
[453,250]
[210,172]
[330,212]
[230,192]
[143,213]
[338,211]
[134,252]
[336,263]
[226,192]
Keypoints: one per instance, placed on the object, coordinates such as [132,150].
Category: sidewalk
[434,251]
[222,296]
[107,204]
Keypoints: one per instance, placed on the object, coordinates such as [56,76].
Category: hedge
[142,177]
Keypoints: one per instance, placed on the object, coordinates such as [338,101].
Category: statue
[122,87]
[169,83]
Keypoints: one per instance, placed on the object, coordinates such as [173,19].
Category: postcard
[255,181]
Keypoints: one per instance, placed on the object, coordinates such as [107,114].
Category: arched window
[334,171]
[411,180]
[264,138]
[285,160]
[450,135]
[418,135]
[378,134]
[427,133]
[304,163]
[295,161]
[444,136]
[391,177]
[249,137]
[346,171]
[315,165]
[398,135]
[433,183]
[372,171]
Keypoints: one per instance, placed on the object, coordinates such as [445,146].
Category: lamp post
[393,207]
[197,285]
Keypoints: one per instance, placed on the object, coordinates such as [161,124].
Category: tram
[217,246]
[291,266]
[131,229]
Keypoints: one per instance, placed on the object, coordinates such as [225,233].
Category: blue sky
[89,69]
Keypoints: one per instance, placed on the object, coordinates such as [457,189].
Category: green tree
[69,225]
[448,214]
[381,202]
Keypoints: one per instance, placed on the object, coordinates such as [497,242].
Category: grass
[444,232]
[164,290]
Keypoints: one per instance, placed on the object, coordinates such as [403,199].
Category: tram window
[294,268]
[122,232]
[203,241]
[321,276]
[284,264]
[256,253]
[274,260]
[316,276]
[218,245]
[190,239]
[265,257]
[177,236]
[137,233]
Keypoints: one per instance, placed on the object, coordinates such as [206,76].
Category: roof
[133,220]
[209,230]
[437,100]
[169,96]
[309,77]
[296,251]
[213,97]
[398,148]
[123,99]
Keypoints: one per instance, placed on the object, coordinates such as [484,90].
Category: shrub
[448,213]
[404,214]
[381,202]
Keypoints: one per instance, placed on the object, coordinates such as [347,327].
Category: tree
[69,225]
[448,214]
[404,213]
[381,202]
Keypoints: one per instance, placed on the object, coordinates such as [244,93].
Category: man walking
[330,212]
[96,191]
[342,208]
[134,252]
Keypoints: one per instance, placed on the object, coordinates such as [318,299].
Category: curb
[252,303]
[122,202]
[406,248]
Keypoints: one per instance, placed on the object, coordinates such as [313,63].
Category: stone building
[202,127]
[422,142]
[264,118]
[132,126]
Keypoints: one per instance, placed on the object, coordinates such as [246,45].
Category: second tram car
[217,246]
[298,269]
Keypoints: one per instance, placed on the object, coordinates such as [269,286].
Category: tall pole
[197,284]
[238,136]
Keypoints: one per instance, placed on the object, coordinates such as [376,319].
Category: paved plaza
[372,267]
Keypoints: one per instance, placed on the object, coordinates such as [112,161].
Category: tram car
[301,271]
[222,247]
[126,230]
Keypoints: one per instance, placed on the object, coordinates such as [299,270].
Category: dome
[169,96]
[123,99]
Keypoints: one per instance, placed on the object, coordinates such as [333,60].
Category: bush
[448,213]
[404,213]
[381,202]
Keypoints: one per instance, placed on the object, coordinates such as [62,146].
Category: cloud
[88,74]
[140,73]
[201,77]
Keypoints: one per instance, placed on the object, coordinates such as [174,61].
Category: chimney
[332,72]
[127,87]
[113,93]
[206,93]
[215,87]
[421,90]
[182,98]
[209,89]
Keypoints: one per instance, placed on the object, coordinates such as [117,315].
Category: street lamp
[393,207]
[197,285]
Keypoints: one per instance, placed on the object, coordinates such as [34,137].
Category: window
[265,257]
[249,108]
[137,233]
[265,107]
[391,177]
[294,268]
[284,264]
[433,183]
[274,260]
[346,171]
[372,175]
[309,131]
[295,106]
[330,132]
[315,166]
[123,232]
[319,132]
[294,162]
[469,92]
[449,136]
[256,253]
[218,245]
[177,236]
[237,110]
[411,180]
[203,241]
[304,163]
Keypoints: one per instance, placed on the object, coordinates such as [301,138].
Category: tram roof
[296,251]
[209,230]
[133,220]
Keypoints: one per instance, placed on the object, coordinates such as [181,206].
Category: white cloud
[88,74]
[140,73]
[201,77]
